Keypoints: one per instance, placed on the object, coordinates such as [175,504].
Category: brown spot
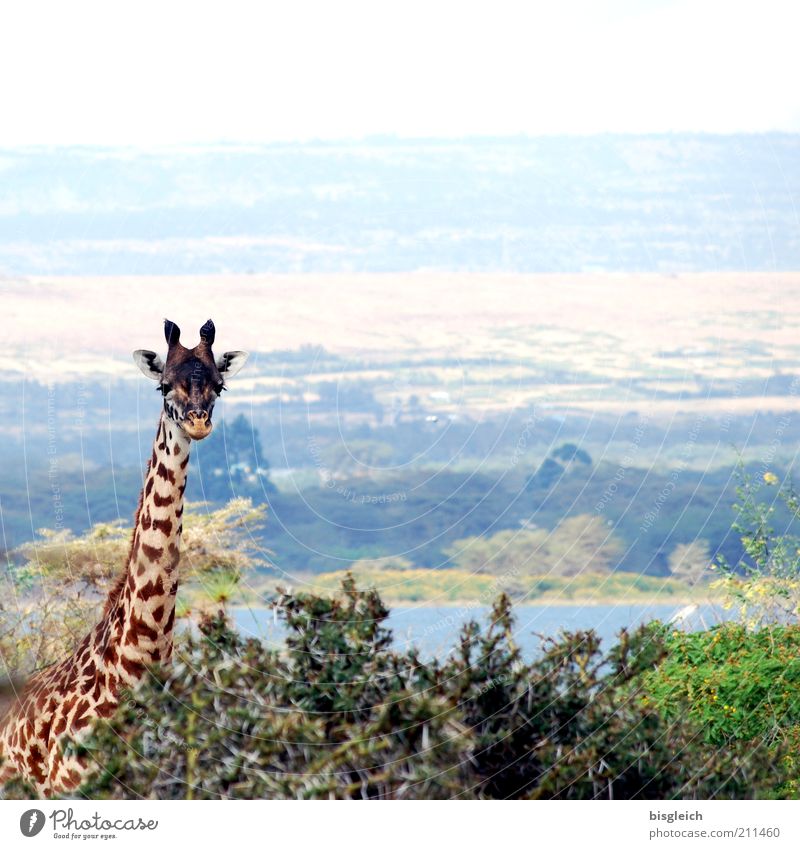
[141,629]
[176,449]
[72,780]
[146,520]
[81,719]
[44,731]
[36,764]
[158,613]
[179,512]
[149,486]
[166,474]
[133,667]
[131,582]
[152,588]
[140,570]
[161,501]
[163,525]
[105,708]
[57,761]
[72,679]
[170,620]
[153,459]
[185,462]
[152,552]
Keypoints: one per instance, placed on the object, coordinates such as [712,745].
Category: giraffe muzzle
[197,425]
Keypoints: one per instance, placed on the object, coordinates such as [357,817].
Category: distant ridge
[664,203]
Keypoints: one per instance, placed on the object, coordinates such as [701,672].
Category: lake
[434,630]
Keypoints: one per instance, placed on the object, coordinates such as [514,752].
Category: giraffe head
[190,379]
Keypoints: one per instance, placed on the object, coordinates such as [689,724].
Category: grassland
[490,341]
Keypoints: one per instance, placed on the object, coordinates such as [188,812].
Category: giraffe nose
[199,416]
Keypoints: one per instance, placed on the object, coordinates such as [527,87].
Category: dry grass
[637,333]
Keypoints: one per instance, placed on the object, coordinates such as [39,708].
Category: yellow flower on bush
[770,479]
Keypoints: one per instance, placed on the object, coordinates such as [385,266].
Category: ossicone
[208,333]
[172,333]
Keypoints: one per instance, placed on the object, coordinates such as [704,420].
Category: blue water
[434,630]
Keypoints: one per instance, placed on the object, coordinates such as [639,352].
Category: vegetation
[738,684]
[577,544]
[231,464]
[765,582]
[339,714]
[443,586]
[691,562]
[48,603]
[331,514]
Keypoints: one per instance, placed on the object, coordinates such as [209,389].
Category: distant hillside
[556,204]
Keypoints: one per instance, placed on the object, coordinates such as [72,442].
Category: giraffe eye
[165,388]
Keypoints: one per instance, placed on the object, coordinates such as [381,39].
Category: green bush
[339,713]
[737,684]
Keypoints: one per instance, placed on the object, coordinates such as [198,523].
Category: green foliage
[737,684]
[340,714]
[765,582]
[337,716]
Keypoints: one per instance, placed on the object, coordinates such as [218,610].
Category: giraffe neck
[135,630]
[139,621]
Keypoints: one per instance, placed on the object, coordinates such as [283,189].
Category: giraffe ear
[231,362]
[150,363]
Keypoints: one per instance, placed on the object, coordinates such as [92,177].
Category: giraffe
[136,626]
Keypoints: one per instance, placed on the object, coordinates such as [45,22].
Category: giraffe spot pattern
[152,552]
[163,525]
[63,699]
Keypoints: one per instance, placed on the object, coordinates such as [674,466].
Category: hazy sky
[149,73]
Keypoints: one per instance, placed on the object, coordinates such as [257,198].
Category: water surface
[434,630]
